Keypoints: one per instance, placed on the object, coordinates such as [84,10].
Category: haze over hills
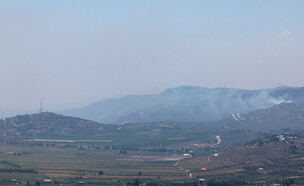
[284,108]
[283,116]
[185,103]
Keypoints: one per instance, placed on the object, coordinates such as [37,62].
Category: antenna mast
[41,106]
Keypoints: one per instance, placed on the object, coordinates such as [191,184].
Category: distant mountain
[185,103]
[47,123]
[285,115]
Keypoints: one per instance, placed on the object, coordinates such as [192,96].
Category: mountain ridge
[288,115]
[185,103]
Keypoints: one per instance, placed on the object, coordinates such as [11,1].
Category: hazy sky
[84,51]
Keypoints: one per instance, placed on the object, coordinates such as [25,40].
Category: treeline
[125,149]
[10,164]
[31,144]
[119,149]
[19,170]
[225,183]
[135,149]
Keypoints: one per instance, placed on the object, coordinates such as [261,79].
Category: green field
[71,163]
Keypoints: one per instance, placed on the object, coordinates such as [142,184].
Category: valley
[47,146]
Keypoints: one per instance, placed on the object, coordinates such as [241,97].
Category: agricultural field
[76,163]
[271,160]
[274,159]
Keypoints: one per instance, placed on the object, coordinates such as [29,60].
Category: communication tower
[41,109]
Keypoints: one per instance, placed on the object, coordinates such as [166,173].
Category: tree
[136,181]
